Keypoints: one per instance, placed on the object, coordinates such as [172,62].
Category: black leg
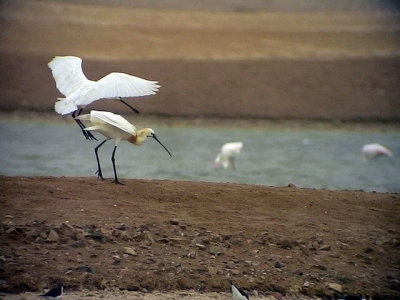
[98,172]
[115,171]
[88,135]
[134,109]
[74,114]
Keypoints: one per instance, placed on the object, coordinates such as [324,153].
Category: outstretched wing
[116,85]
[112,119]
[68,74]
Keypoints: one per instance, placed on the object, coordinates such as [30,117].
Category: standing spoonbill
[113,126]
[80,91]
[371,151]
[237,293]
[227,156]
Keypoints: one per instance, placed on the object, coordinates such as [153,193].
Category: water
[314,158]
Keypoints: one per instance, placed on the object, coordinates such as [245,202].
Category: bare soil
[165,235]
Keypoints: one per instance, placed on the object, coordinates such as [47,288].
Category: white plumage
[226,157]
[80,91]
[113,126]
[374,150]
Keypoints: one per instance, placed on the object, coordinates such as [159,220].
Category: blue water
[314,158]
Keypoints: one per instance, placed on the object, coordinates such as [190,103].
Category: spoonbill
[54,293]
[80,91]
[113,126]
[374,150]
[237,293]
[228,154]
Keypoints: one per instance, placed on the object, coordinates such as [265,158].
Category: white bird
[54,293]
[228,154]
[238,294]
[113,126]
[372,151]
[80,91]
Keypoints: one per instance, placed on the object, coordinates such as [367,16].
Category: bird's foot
[118,182]
[99,174]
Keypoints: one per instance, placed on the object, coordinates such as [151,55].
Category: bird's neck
[139,139]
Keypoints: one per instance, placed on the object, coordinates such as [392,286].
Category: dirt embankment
[320,65]
[347,89]
[167,235]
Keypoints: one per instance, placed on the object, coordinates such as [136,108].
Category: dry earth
[164,235]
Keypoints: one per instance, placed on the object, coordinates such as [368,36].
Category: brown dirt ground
[196,235]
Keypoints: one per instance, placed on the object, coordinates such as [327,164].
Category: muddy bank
[167,235]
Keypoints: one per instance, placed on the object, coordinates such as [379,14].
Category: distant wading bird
[372,151]
[227,156]
[115,127]
[80,91]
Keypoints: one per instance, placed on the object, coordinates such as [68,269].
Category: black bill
[154,136]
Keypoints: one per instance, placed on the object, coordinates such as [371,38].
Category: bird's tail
[64,107]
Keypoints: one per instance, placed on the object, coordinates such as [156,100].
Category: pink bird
[372,151]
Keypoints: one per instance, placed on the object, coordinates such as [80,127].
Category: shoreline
[241,122]
[108,180]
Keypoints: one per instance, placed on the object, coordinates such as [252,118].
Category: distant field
[121,33]
[318,65]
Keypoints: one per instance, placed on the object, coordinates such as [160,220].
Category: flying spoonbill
[113,126]
[237,293]
[371,151]
[227,156]
[80,91]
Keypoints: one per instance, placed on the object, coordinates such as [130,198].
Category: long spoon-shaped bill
[154,136]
